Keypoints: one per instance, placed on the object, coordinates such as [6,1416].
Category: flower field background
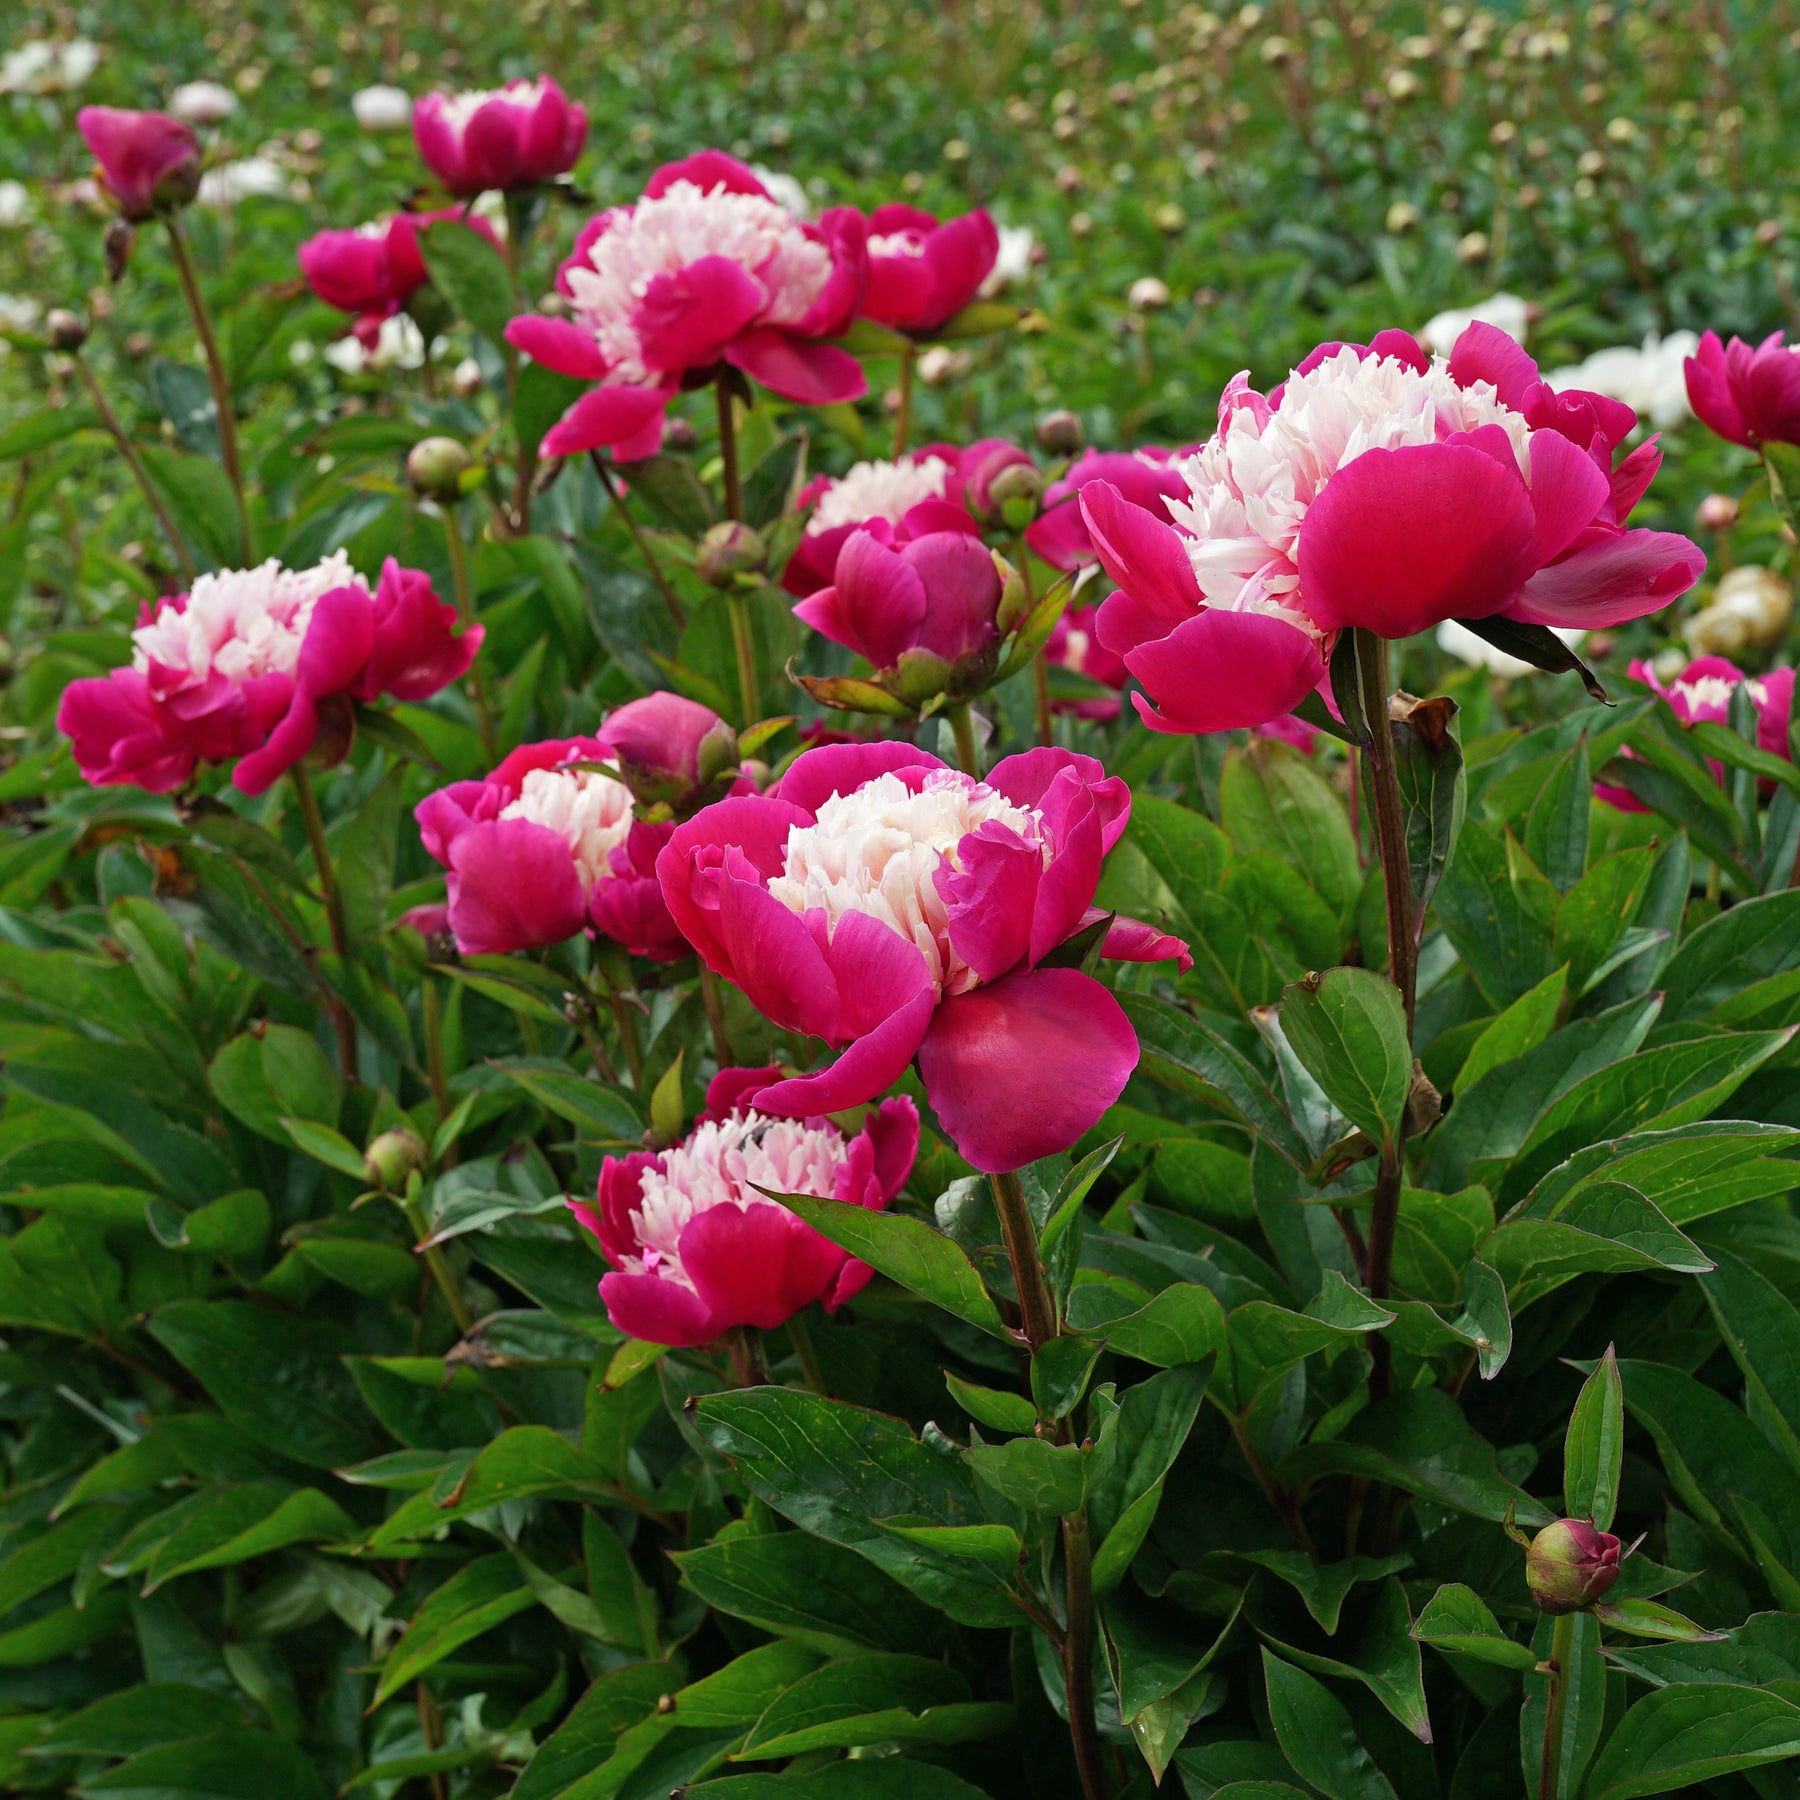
[899,902]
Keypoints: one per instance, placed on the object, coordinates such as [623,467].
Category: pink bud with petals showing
[149,162]
[922,273]
[1570,1565]
[513,137]
[1748,393]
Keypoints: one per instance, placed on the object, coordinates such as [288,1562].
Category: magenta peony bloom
[1702,693]
[697,1249]
[250,664]
[897,909]
[1381,489]
[1074,645]
[512,137]
[911,494]
[921,273]
[374,270]
[1749,394]
[706,269]
[1059,534]
[149,162]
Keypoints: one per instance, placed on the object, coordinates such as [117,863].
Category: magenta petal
[815,775]
[1486,353]
[1710,391]
[687,316]
[1069,881]
[756,1265]
[893,1134]
[990,900]
[706,170]
[1223,671]
[802,369]
[732,1087]
[1400,540]
[959,255]
[658,1309]
[1021,1069]
[558,344]
[1619,578]
[603,417]
[869,1067]
[880,600]
[513,887]
[1567,490]
[772,956]
[898,292]
[1140,552]
[1131,940]
[1028,775]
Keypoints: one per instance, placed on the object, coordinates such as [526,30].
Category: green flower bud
[391,1158]
[728,550]
[1570,1565]
[436,466]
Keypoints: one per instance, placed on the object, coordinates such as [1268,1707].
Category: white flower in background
[466,378]
[39,67]
[76,61]
[1751,608]
[1013,263]
[203,102]
[1147,294]
[1649,379]
[382,108]
[303,352]
[1511,314]
[249,176]
[15,204]
[401,345]
[786,190]
[490,208]
[18,312]
[1456,639]
[942,363]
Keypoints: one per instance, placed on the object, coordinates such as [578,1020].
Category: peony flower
[1018,250]
[374,270]
[1651,380]
[249,178]
[921,273]
[695,1245]
[382,108]
[15,203]
[1702,694]
[897,908]
[203,102]
[513,137]
[1750,609]
[911,494]
[1385,490]
[704,270]
[1748,394]
[1060,535]
[148,162]
[1506,312]
[40,67]
[396,343]
[243,665]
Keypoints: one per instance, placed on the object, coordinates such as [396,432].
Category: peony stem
[440,1269]
[135,464]
[465,608]
[743,642]
[903,413]
[800,1337]
[968,756]
[1040,667]
[314,822]
[628,1040]
[728,457]
[1562,1657]
[433,1017]
[215,371]
[714,1002]
[616,494]
[1037,1309]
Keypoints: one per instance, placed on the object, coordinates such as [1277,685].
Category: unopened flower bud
[1768,231]
[1149,293]
[728,550]
[1472,247]
[436,466]
[1402,216]
[1717,512]
[1169,218]
[679,434]
[65,330]
[121,234]
[1570,1565]
[1015,493]
[391,1158]
[1060,432]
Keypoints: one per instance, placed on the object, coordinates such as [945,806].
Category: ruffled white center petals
[878,849]
[723,1163]
[678,228]
[241,623]
[898,243]
[879,490]
[1709,696]
[459,109]
[1251,483]
[590,811]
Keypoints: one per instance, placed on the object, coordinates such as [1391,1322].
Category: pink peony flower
[1381,489]
[898,909]
[374,270]
[512,137]
[697,1249]
[249,664]
[1749,394]
[706,269]
[911,494]
[1702,694]
[921,273]
[1073,645]
[149,162]
[1059,534]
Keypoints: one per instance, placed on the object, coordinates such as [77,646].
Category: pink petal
[658,1310]
[870,1066]
[959,255]
[990,900]
[687,316]
[1223,671]
[1131,940]
[815,775]
[731,1088]
[898,292]
[1486,353]
[513,886]
[880,601]
[706,170]
[756,1265]
[1620,578]
[558,344]
[802,369]
[1567,490]
[1140,552]
[1025,778]
[604,416]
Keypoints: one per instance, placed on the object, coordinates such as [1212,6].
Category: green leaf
[1651,1619]
[479,1596]
[1750,942]
[1556,827]
[1059,1375]
[1183,1324]
[39,430]
[231,1764]
[1683,1735]
[1537,645]
[1033,1473]
[870,1700]
[977,319]
[907,1250]
[1595,917]
[262,1077]
[588,1737]
[1377,1650]
[1349,1028]
[138,1718]
[1760,1326]
[1272,798]
[1594,1450]
[199,497]
[1317,1737]
[1322,1587]
[871,1778]
[999,1545]
[327,1146]
[1140,1440]
[605,1114]
[998,1410]
[47,1557]
[1428,766]
[1763,1650]
[228,1525]
[1496,910]
[472,275]
[540,397]
[1456,1620]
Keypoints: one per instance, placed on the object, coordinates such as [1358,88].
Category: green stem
[962,727]
[440,1269]
[465,608]
[903,416]
[728,456]
[617,496]
[800,1336]
[433,1010]
[1037,1308]
[1562,1658]
[714,1002]
[215,371]
[744,643]
[1078,1654]
[628,1040]
[135,464]
[314,822]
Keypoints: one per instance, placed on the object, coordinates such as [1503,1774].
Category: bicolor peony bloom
[897,908]
[697,1247]
[551,844]
[1702,694]
[1060,535]
[149,162]
[512,137]
[1747,393]
[911,494]
[374,270]
[705,270]
[257,666]
[1381,489]
[921,273]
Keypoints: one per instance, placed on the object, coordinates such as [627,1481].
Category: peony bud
[1016,492]
[436,467]
[1570,1565]
[1717,512]
[1060,432]
[391,1158]
[1149,293]
[728,550]
[116,245]
[64,329]
[679,434]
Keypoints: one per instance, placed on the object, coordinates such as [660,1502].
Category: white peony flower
[1147,294]
[231,182]
[786,190]
[1013,263]
[39,67]
[15,204]
[382,108]
[1508,311]
[203,102]
[1649,379]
